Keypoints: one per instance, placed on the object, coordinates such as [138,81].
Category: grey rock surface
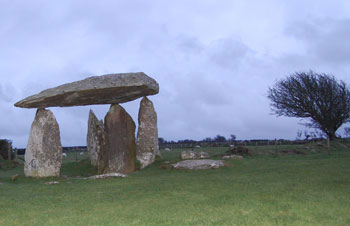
[199,164]
[105,89]
[107,175]
[232,157]
[43,156]
[185,155]
[120,146]
[95,138]
[147,134]
[52,182]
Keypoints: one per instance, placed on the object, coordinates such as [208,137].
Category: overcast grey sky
[214,60]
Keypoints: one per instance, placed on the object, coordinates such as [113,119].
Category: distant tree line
[221,141]
[217,139]
[302,136]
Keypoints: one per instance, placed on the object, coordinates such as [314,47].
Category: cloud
[213,61]
[324,39]
[228,53]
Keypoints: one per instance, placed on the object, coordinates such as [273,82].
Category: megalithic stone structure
[147,147]
[95,139]
[116,148]
[43,156]
[120,146]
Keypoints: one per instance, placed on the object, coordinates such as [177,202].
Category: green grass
[310,189]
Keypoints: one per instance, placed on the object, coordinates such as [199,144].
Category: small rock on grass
[232,157]
[107,175]
[52,182]
[80,177]
[186,155]
[199,164]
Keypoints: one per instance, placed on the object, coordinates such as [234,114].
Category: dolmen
[111,144]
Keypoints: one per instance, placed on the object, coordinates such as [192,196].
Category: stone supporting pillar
[120,147]
[43,156]
[147,147]
[95,139]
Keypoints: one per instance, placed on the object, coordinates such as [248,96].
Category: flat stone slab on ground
[52,182]
[104,89]
[107,175]
[232,157]
[199,164]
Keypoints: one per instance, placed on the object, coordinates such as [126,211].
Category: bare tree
[320,98]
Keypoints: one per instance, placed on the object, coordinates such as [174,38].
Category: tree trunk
[331,135]
[328,145]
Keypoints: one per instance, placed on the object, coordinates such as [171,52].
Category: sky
[214,60]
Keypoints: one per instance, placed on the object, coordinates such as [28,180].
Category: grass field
[267,188]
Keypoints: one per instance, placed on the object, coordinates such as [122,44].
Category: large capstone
[105,89]
[95,138]
[147,135]
[120,147]
[43,156]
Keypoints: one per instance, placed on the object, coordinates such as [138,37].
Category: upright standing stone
[147,135]
[43,156]
[95,138]
[120,147]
